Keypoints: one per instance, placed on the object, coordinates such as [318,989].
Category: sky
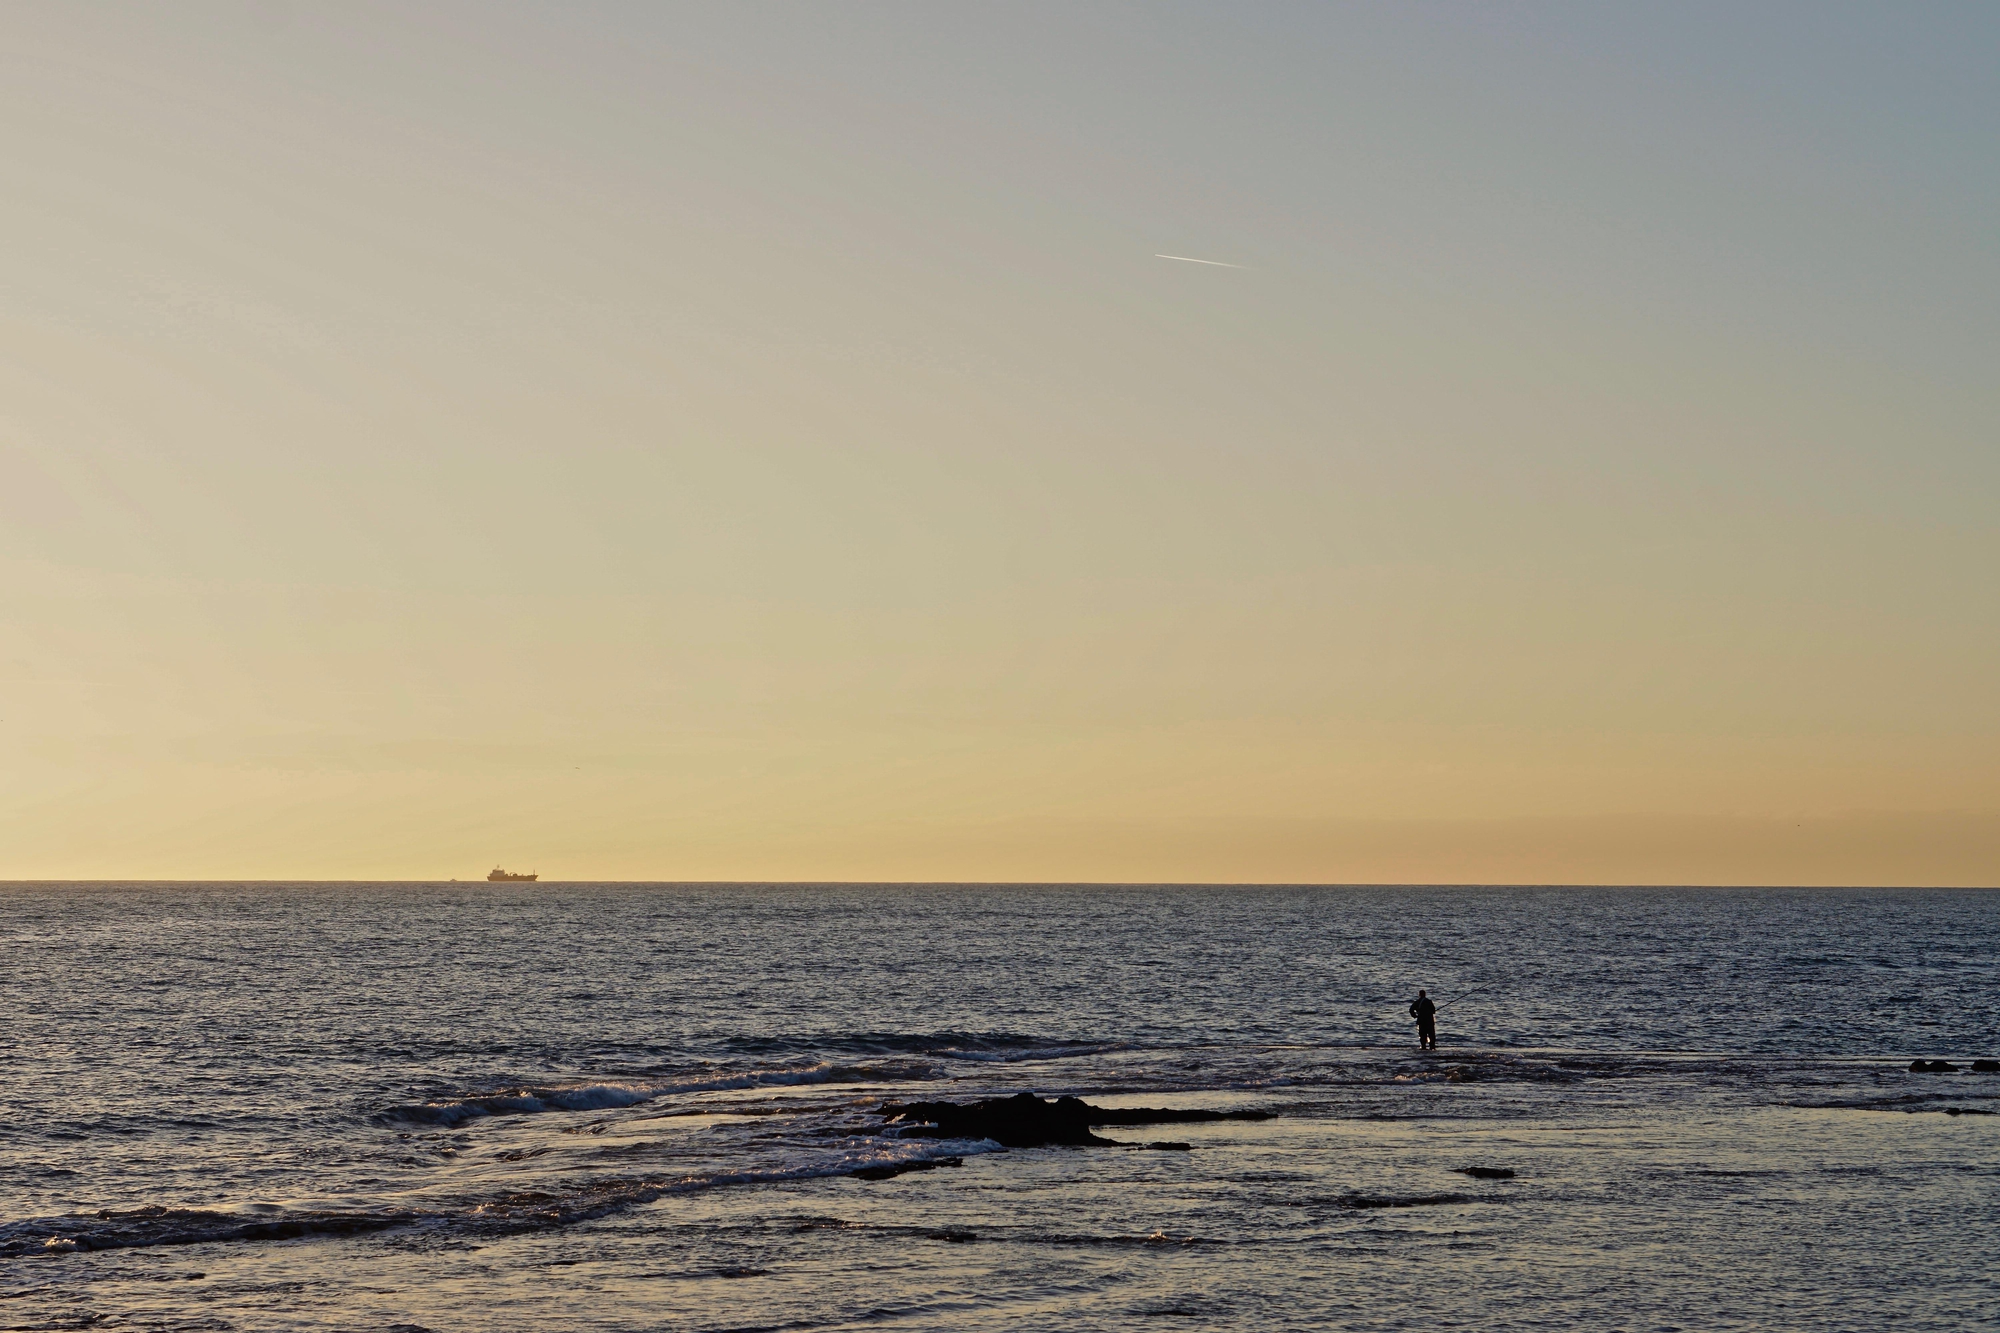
[762,442]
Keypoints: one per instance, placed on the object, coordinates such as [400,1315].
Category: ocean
[463,1107]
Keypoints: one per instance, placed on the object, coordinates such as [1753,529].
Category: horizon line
[1030,883]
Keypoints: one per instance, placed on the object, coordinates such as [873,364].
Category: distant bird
[1212,263]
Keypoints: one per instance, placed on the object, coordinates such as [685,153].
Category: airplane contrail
[1216,263]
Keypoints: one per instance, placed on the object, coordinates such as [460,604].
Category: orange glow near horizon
[648,446]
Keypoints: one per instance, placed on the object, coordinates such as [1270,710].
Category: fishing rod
[1474,991]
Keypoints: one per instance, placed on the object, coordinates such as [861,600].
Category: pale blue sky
[778,413]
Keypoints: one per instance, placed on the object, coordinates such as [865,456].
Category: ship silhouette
[499,875]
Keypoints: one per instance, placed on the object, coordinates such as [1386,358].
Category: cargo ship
[500,876]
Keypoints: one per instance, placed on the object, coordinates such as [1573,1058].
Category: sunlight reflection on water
[634,1107]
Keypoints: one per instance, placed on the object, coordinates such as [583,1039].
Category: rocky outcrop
[1027,1121]
[1947,1067]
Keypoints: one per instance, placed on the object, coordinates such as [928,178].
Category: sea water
[622,1107]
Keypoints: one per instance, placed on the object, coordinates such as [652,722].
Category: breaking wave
[600,1095]
[1006,1047]
[132,1228]
[518,1210]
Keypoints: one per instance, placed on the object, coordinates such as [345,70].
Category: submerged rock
[1933,1067]
[1404,1200]
[1027,1121]
[1487,1172]
[1986,1066]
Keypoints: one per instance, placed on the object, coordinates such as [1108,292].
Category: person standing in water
[1425,1012]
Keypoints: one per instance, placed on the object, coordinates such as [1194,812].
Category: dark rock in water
[1165,1145]
[1986,1066]
[1026,1121]
[1488,1172]
[1933,1067]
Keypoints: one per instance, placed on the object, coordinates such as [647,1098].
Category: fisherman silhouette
[1423,1011]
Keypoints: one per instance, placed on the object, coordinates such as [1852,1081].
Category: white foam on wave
[609,1096]
[553,1205]
[601,1197]
[1019,1055]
